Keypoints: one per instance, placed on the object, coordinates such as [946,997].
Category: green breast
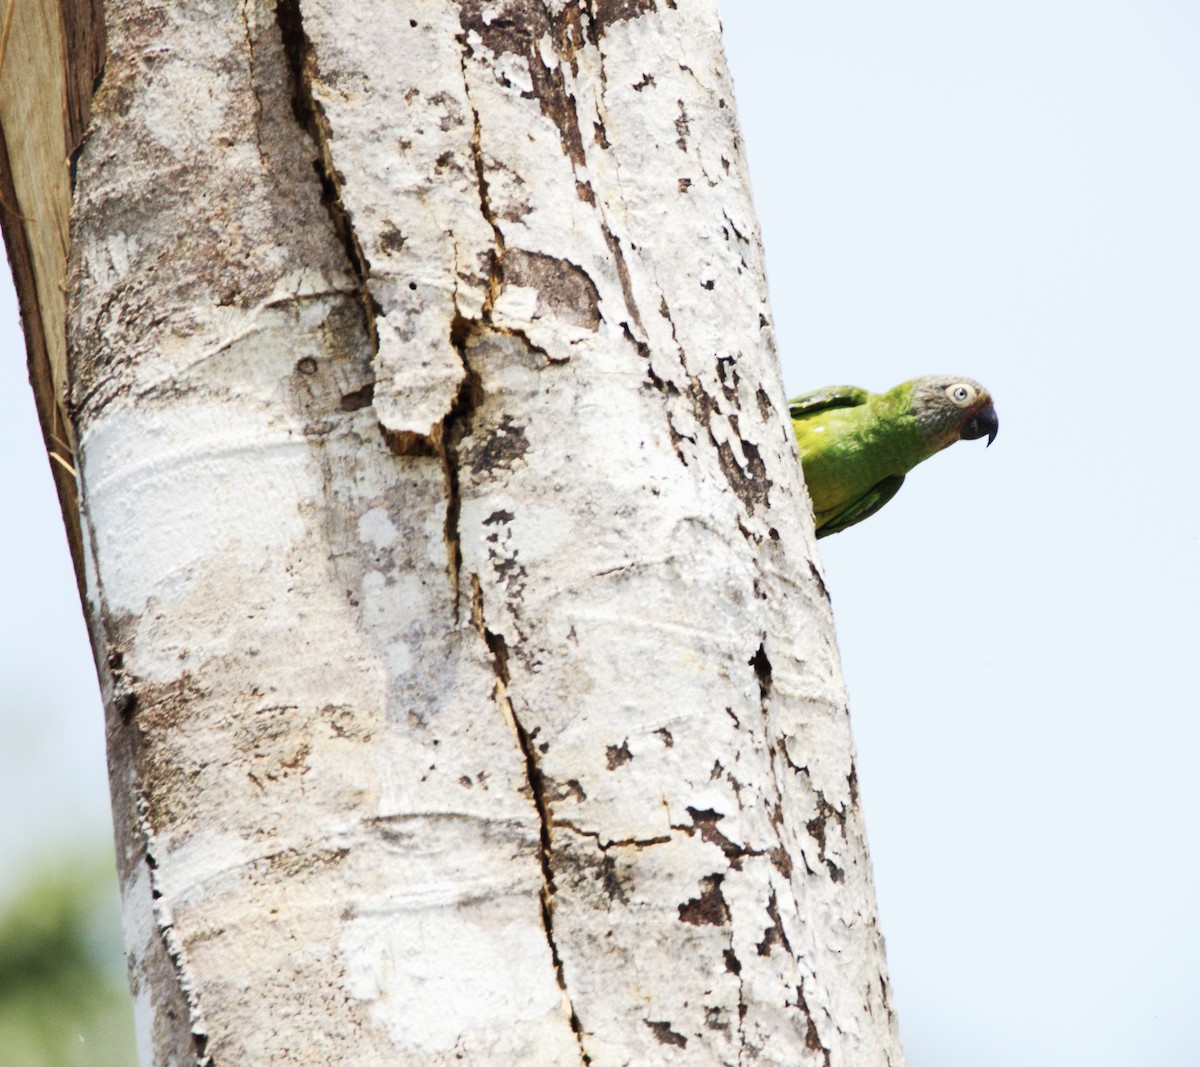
[846,452]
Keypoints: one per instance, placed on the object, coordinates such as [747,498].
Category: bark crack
[498,648]
[440,443]
[604,846]
[454,427]
[704,823]
[298,50]
[496,271]
[734,966]
[812,1039]
[165,926]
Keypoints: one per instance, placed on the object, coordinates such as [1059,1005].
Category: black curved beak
[982,422]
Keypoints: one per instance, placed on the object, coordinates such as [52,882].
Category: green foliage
[64,1001]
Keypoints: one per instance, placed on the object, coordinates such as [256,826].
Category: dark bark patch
[817,826]
[781,861]
[359,398]
[502,447]
[564,289]
[517,27]
[666,1035]
[123,695]
[729,377]
[750,483]
[816,830]
[618,754]
[612,880]
[774,934]
[705,823]
[762,671]
[391,240]
[714,1019]
[511,573]
[682,127]
[709,908]
[812,1039]
[607,13]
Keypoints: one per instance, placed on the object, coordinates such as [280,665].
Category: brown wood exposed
[51,64]
[83,30]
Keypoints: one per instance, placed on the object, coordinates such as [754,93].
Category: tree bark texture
[472,696]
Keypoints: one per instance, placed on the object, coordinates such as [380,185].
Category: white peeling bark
[473,697]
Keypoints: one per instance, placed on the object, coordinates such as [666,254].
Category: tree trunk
[472,690]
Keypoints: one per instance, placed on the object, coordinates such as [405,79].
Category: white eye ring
[961,394]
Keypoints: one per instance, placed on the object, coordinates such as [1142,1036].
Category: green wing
[834,396]
[864,507]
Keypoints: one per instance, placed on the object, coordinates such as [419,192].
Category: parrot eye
[961,394]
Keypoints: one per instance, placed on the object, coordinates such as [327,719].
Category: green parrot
[856,447]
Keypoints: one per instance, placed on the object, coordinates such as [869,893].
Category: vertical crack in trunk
[498,648]
[454,427]
[812,1039]
[762,671]
[456,424]
[299,53]
[310,116]
[496,271]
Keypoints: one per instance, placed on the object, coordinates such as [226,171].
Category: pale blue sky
[1009,191]
[1012,192]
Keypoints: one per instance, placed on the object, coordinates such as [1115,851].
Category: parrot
[856,446]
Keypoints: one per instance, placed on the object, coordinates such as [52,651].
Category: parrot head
[950,409]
